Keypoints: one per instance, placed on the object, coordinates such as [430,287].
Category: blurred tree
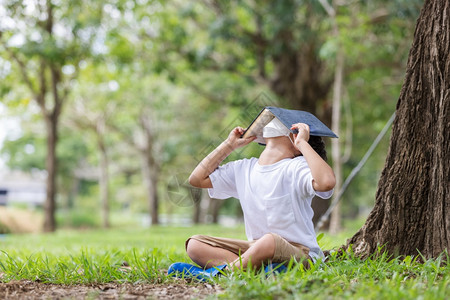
[293,47]
[47,42]
[90,111]
[357,26]
[275,43]
[375,51]
[143,120]
[220,55]
[411,214]
[143,101]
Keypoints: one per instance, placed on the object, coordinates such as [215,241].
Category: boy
[275,192]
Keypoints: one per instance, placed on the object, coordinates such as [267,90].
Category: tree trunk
[335,220]
[51,116]
[104,176]
[150,166]
[299,78]
[51,167]
[197,196]
[150,181]
[214,207]
[412,205]
[320,206]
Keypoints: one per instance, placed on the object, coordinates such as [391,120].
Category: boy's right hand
[235,141]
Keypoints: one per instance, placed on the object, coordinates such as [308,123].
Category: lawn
[131,257]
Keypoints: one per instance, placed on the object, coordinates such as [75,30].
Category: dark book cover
[287,117]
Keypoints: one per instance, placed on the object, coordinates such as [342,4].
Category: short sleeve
[311,191]
[303,176]
[325,195]
[223,182]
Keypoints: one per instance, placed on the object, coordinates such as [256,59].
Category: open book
[287,117]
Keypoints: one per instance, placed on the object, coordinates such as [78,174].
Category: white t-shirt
[274,198]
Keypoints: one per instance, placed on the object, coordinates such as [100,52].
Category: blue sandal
[185,270]
[275,268]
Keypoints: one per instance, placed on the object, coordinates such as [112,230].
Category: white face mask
[275,128]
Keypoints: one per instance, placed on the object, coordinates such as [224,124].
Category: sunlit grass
[67,256]
[143,256]
[347,277]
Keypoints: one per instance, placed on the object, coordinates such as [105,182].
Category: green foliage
[77,219]
[191,67]
[25,153]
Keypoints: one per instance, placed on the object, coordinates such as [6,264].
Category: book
[287,117]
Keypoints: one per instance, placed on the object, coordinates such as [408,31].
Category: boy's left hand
[303,132]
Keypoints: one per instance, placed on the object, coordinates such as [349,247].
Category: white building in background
[17,187]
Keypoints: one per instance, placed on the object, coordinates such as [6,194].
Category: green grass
[348,278]
[81,257]
[95,256]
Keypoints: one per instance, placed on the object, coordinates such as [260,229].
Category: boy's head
[276,128]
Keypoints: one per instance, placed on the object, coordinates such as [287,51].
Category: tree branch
[23,71]
[40,96]
[49,23]
[328,8]
[56,79]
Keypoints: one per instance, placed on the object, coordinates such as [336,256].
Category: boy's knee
[269,239]
[193,246]
[188,241]
[268,242]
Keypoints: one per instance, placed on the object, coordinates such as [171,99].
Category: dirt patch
[28,290]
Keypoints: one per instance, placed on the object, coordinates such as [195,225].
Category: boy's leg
[208,251]
[285,250]
[208,256]
[272,248]
[260,252]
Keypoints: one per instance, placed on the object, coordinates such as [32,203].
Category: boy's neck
[277,148]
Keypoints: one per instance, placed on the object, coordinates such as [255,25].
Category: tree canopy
[154,84]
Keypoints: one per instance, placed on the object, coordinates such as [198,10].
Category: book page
[256,128]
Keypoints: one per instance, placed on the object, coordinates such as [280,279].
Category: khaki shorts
[284,250]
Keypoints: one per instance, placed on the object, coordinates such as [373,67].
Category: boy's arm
[323,175]
[200,176]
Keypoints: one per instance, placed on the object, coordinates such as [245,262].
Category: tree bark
[150,168]
[335,219]
[150,181]
[104,174]
[51,117]
[412,205]
[299,78]
[197,197]
[214,209]
[51,123]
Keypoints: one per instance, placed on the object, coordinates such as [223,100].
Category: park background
[106,106]
[113,103]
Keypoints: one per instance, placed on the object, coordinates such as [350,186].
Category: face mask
[275,128]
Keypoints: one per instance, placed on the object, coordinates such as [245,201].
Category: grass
[348,278]
[71,257]
[81,257]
